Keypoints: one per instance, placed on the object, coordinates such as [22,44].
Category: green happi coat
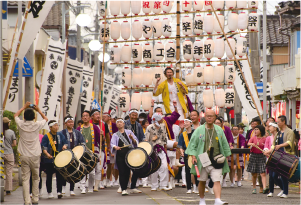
[197,142]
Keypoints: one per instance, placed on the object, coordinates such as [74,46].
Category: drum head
[63,158]
[136,157]
[78,151]
[146,146]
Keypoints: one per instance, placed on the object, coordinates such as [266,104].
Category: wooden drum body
[86,156]
[156,161]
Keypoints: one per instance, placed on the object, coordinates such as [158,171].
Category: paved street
[176,196]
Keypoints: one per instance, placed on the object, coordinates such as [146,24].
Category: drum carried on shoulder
[143,160]
[75,164]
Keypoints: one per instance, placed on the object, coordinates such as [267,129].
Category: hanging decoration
[166,28]
[198,25]
[136,7]
[208,74]
[241,4]
[227,47]
[148,53]
[137,29]
[124,102]
[157,7]
[198,5]
[219,71]
[170,51]
[241,46]
[146,73]
[137,76]
[157,73]
[147,30]
[242,23]
[230,4]
[187,50]
[219,48]
[125,29]
[126,77]
[230,73]
[198,49]
[136,100]
[229,97]
[253,4]
[208,98]
[186,6]
[208,48]
[125,7]
[232,21]
[167,6]
[253,21]
[216,26]
[208,23]
[218,5]
[158,51]
[146,98]
[157,24]
[198,76]
[147,7]
[219,97]
[104,33]
[115,30]
[126,53]
[116,53]
[137,52]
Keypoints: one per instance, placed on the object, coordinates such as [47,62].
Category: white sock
[194,186]
[218,200]
[202,199]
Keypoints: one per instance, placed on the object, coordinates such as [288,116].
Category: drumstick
[197,170]
[125,146]
[258,148]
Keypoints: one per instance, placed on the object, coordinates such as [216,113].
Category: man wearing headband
[53,143]
[184,139]
[156,134]
[29,147]
[133,125]
[91,134]
[172,89]
[209,141]
[74,138]
[122,141]
[105,147]
[110,170]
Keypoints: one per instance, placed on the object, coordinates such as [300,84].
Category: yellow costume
[163,89]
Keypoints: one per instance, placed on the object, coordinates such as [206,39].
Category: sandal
[254,191]
[266,190]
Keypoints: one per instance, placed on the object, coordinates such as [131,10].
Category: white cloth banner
[58,106]
[87,85]
[73,79]
[51,79]
[114,100]
[108,84]
[242,90]
[36,16]
[12,102]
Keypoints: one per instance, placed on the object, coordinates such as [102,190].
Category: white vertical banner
[51,79]
[114,100]
[244,95]
[12,102]
[58,106]
[73,79]
[108,84]
[37,14]
[87,86]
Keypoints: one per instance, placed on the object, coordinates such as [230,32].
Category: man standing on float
[172,89]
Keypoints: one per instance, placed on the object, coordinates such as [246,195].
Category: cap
[6,120]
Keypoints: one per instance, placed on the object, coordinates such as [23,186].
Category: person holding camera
[30,149]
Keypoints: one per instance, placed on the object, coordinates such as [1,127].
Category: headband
[274,125]
[51,124]
[92,113]
[106,114]
[119,120]
[133,111]
[187,120]
[141,119]
[69,118]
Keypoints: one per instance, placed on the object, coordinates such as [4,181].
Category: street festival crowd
[151,150]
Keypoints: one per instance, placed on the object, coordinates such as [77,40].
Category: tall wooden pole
[178,56]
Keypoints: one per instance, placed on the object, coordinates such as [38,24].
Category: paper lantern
[242,23]
[208,48]
[187,50]
[218,5]
[125,7]
[126,77]
[207,7]
[198,5]
[216,26]
[219,47]
[137,29]
[208,23]
[189,79]
[147,29]
[125,30]
[157,7]
[146,98]
[241,46]
[115,8]
[219,72]
[230,73]
[253,21]
[227,47]
[232,21]
[229,97]
[219,97]
[170,51]
[186,5]
[157,73]
[124,102]
[147,6]
[156,23]
[136,100]
[115,30]
[208,74]
[198,46]
[147,74]
[116,51]
[137,52]
[104,32]
[198,25]
[158,51]
[166,28]
[187,25]
[208,98]
[198,76]
[241,4]
[126,53]
[167,6]
[253,4]
[230,4]
[136,7]
[137,76]
[148,52]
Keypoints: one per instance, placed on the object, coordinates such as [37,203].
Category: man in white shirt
[30,149]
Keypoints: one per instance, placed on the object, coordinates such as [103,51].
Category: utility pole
[264,47]
[29,81]
[1,109]
[78,56]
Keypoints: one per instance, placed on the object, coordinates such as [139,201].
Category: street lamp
[94,45]
[106,58]
[83,20]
